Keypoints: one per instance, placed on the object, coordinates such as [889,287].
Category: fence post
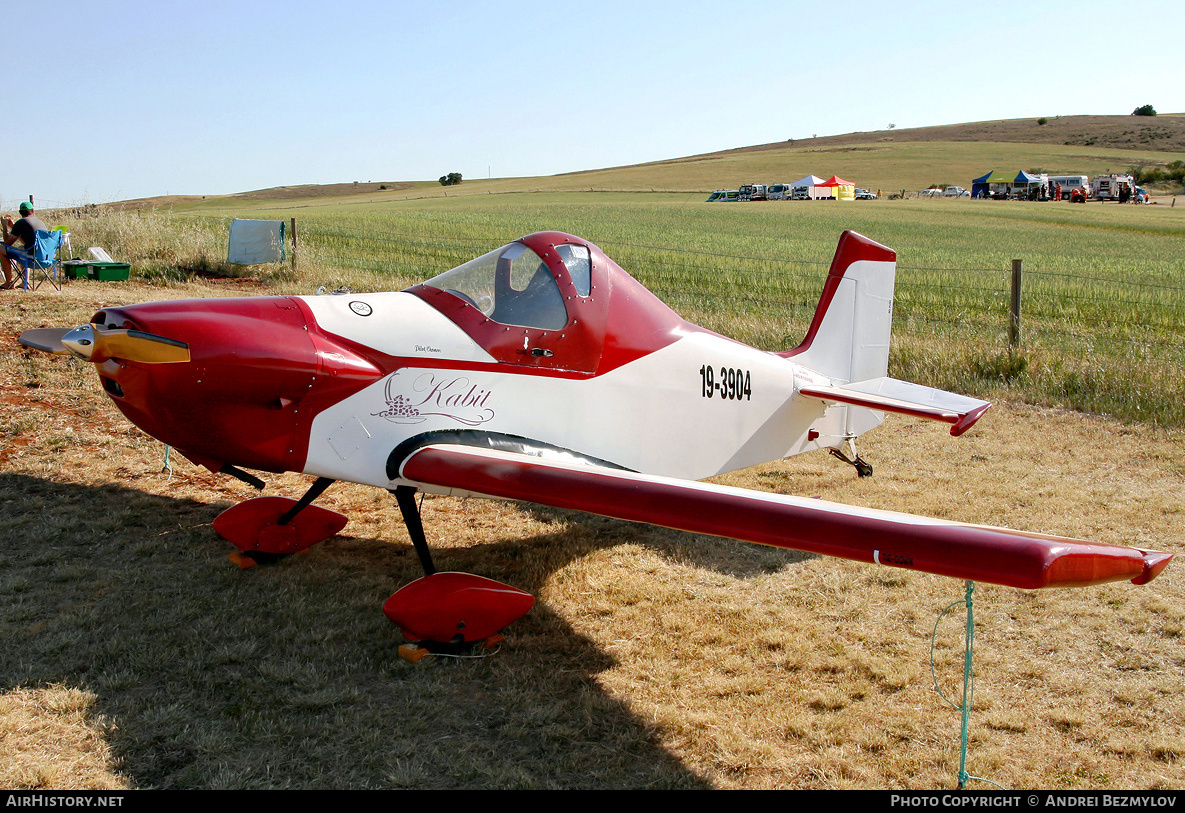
[1014,308]
[294,244]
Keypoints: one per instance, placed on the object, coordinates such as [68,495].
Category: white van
[1071,182]
[955,192]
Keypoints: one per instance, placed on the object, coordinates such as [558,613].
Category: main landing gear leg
[406,497]
[447,612]
[863,469]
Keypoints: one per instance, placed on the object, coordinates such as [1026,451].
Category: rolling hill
[888,160]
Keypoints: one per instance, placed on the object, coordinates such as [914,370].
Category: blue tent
[979,186]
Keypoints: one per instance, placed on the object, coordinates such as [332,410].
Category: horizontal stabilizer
[969,552]
[902,397]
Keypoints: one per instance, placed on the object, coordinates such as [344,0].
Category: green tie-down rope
[968,682]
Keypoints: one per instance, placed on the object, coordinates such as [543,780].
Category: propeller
[97,344]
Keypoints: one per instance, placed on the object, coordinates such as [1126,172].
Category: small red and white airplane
[543,372]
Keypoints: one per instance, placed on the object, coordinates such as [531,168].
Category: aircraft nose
[257,370]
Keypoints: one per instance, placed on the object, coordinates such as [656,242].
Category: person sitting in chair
[24,230]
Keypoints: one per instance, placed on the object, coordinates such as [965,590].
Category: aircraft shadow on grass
[287,676]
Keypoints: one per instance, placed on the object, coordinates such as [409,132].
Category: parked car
[930,193]
[955,192]
[864,194]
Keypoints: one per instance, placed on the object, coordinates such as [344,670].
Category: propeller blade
[46,339]
[136,345]
[98,345]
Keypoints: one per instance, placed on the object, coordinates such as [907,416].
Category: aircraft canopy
[546,301]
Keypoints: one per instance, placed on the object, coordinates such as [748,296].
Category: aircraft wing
[963,551]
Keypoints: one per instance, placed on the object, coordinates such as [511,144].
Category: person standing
[25,231]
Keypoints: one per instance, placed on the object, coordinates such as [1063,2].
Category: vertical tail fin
[848,339]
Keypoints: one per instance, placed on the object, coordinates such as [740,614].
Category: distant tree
[891,125]
[1042,121]
[1144,110]
[452,179]
[1144,173]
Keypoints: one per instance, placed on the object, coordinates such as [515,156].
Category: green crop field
[1102,310]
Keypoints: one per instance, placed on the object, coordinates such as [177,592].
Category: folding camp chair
[43,259]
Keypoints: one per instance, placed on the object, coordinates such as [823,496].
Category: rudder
[848,339]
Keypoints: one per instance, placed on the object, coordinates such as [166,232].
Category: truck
[779,191]
[1113,187]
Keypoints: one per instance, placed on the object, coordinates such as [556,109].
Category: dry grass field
[133,655]
[136,656]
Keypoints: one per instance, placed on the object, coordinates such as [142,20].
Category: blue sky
[164,97]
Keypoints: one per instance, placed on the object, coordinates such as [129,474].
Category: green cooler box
[95,270]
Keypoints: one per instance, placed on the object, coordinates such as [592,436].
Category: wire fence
[724,286]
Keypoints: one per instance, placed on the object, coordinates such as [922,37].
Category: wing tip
[968,419]
[1154,562]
